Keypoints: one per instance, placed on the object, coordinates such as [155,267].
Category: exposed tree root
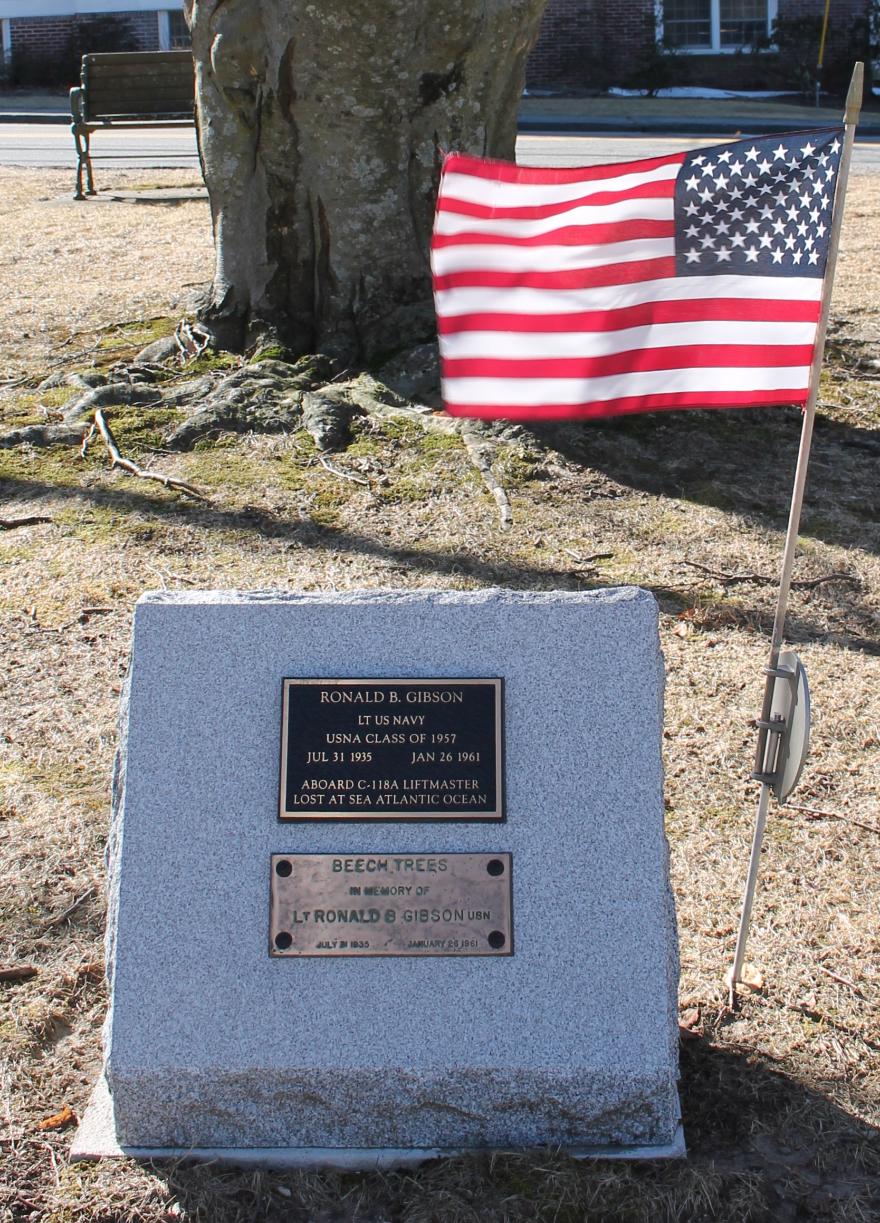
[114,393]
[266,395]
[143,473]
[43,435]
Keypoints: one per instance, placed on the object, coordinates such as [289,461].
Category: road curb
[659,127]
[573,126]
[33,116]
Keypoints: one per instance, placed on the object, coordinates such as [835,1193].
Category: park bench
[128,89]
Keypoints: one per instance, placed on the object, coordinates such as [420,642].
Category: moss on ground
[138,428]
[225,467]
[27,408]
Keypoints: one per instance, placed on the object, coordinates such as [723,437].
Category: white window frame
[164,30]
[714,47]
[6,29]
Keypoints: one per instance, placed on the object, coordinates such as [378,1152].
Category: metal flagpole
[851,118]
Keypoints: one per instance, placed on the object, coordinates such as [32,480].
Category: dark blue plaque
[391,749]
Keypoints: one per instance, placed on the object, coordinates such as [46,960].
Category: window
[178,33]
[716,25]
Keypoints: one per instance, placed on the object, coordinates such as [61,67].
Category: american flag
[692,280]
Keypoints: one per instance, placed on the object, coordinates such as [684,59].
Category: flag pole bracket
[784,735]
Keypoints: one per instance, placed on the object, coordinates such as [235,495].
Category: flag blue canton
[759,207]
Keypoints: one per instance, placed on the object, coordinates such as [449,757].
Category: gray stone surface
[571,1041]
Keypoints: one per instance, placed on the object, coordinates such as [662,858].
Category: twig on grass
[10,524]
[587,560]
[477,453]
[815,814]
[343,475]
[191,339]
[87,438]
[70,910]
[760,579]
[841,980]
[144,473]
[17,972]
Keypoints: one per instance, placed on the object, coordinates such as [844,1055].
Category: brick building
[584,45]
[42,39]
[587,45]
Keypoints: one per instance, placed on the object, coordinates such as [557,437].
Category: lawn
[781,1101]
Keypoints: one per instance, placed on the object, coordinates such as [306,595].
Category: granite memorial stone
[363,991]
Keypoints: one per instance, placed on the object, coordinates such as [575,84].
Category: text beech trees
[322,127]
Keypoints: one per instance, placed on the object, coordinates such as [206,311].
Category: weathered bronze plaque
[390,904]
[391,749]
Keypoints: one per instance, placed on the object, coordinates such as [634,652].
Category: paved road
[48,144]
[584,150]
[51,144]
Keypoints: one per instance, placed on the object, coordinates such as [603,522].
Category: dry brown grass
[780,1100]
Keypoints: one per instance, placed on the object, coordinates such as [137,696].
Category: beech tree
[322,126]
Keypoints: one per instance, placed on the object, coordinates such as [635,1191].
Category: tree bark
[322,128]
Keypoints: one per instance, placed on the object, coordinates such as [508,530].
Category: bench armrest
[78,105]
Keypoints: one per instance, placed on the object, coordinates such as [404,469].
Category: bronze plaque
[391,749]
[390,904]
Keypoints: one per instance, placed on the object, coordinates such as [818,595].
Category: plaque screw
[495,867]
[496,940]
[283,868]
[283,940]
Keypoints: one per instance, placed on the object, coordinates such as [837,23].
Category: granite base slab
[95,1139]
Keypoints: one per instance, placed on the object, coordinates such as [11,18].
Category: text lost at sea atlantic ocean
[391,749]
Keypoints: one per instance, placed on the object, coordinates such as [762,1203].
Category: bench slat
[136,57]
[130,99]
[148,72]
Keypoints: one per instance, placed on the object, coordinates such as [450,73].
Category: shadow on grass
[307,534]
[742,462]
[762,1146]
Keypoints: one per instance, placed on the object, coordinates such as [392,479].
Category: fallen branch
[815,814]
[344,475]
[70,910]
[588,560]
[144,473]
[86,442]
[477,454]
[30,520]
[17,972]
[735,579]
[810,583]
[191,339]
[840,980]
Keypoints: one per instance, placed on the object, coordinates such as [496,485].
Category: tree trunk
[322,128]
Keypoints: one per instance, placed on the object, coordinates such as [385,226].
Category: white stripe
[603,214]
[506,345]
[523,392]
[499,194]
[452,302]
[448,259]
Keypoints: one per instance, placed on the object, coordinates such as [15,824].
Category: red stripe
[568,235]
[578,278]
[657,402]
[662,190]
[683,356]
[507,172]
[694,310]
